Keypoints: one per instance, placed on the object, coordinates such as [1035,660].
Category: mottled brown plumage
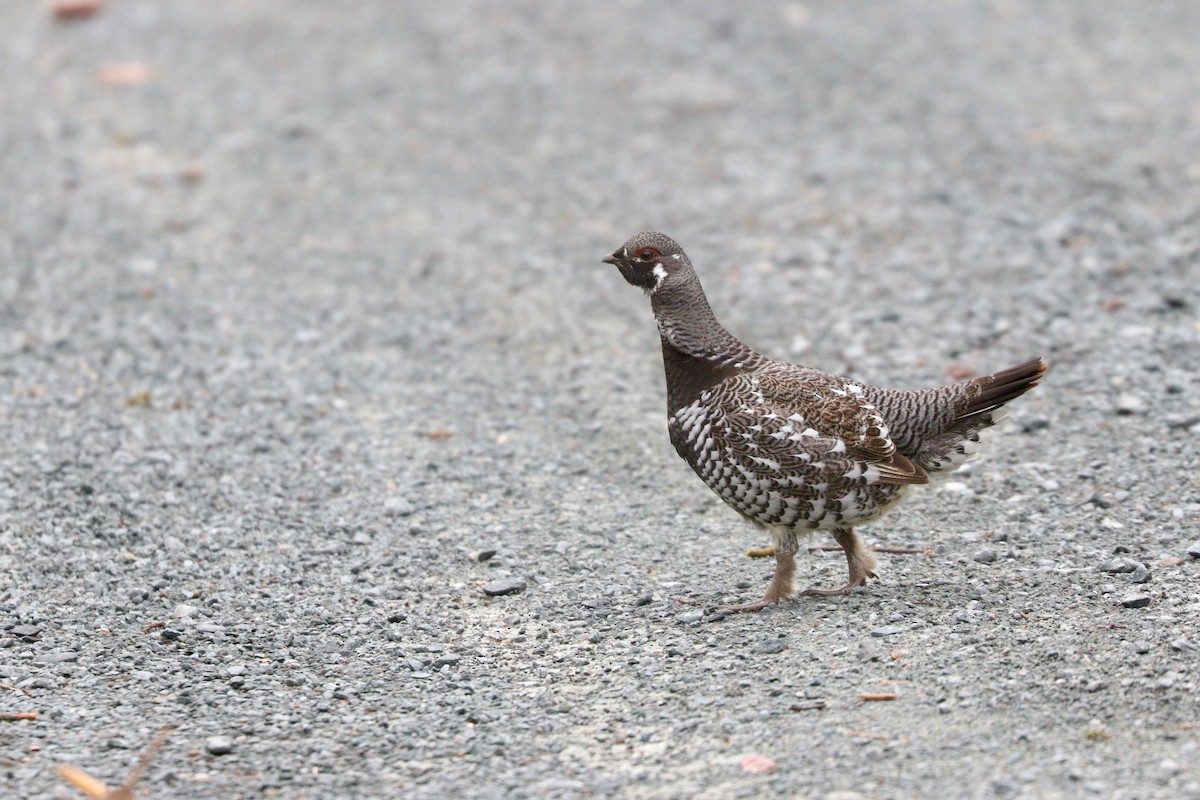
[794,449]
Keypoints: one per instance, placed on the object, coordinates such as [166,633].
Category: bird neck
[698,352]
[687,324]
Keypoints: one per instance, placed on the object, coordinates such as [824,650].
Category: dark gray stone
[503,586]
[985,556]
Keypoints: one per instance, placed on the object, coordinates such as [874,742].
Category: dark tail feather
[1003,386]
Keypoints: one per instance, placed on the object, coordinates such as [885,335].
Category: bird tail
[998,388]
[977,404]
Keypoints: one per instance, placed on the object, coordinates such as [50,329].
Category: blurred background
[287,283]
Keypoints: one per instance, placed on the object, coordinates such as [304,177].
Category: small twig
[767,552]
[15,689]
[20,715]
[151,750]
[875,698]
[97,790]
[900,551]
[814,705]
[153,626]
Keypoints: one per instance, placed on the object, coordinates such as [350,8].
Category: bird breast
[774,467]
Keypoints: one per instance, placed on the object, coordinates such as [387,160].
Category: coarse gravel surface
[326,437]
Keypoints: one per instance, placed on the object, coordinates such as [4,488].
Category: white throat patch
[660,275]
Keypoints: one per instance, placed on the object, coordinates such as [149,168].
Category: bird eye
[647,253]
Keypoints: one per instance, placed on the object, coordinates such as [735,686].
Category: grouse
[791,448]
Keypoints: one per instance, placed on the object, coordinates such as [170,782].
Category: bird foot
[720,612]
[814,592]
[847,589]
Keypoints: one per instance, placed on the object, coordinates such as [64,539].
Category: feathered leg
[859,561]
[782,586]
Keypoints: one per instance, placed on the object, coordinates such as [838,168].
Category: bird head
[648,260]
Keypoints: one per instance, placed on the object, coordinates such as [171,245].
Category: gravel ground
[301,324]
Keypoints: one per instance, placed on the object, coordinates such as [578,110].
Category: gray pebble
[1003,788]
[985,556]
[869,650]
[502,586]
[1035,424]
[398,507]
[769,646]
[1119,565]
[1184,645]
[1194,549]
[1136,600]
[1130,404]
[219,745]
[1141,647]
[481,555]
[34,630]
[887,630]
[1140,575]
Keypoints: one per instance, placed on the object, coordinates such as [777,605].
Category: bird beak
[617,257]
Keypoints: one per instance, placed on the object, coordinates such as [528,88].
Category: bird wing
[814,411]
[787,450]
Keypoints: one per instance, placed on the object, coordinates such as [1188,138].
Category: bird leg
[781,588]
[859,560]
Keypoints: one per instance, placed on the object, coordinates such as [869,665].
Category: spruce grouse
[791,448]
